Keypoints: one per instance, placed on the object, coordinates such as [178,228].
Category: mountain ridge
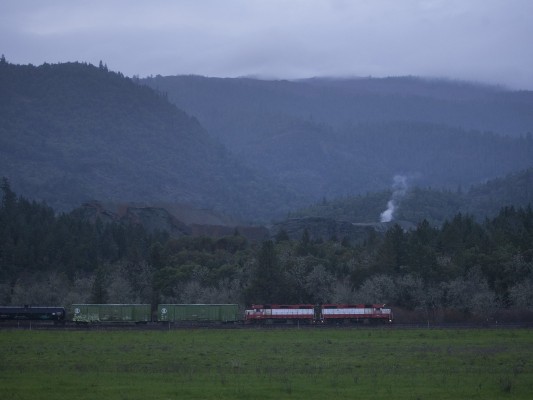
[334,137]
[74,132]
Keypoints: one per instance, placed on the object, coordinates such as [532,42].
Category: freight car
[56,314]
[221,313]
[317,314]
[95,313]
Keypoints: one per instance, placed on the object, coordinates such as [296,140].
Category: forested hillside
[226,103]
[415,204]
[335,137]
[74,132]
[463,269]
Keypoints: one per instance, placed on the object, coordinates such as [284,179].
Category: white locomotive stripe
[296,311]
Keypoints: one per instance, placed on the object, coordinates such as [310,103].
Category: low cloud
[485,40]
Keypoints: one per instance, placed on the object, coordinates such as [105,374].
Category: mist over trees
[417,203]
[254,150]
[463,269]
[340,137]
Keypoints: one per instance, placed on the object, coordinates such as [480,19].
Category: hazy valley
[252,150]
[403,191]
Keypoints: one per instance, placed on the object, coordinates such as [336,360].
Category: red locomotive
[318,314]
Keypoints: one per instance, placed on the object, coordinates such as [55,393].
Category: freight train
[203,313]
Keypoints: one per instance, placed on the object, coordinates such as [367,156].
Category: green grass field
[267,364]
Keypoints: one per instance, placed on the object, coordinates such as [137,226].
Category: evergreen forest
[462,270]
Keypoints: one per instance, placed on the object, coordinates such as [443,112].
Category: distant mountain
[338,137]
[73,132]
[219,102]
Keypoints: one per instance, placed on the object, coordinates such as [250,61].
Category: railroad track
[162,326]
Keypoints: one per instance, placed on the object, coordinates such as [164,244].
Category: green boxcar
[90,313]
[198,312]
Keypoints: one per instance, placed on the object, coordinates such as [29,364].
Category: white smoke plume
[399,188]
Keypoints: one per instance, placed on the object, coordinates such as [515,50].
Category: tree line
[465,267]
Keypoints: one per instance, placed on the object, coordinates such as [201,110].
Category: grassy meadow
[259,363]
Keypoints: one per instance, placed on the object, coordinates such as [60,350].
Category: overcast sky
[482,40]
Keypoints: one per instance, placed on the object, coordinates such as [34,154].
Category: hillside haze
[74,132]
[337,137]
